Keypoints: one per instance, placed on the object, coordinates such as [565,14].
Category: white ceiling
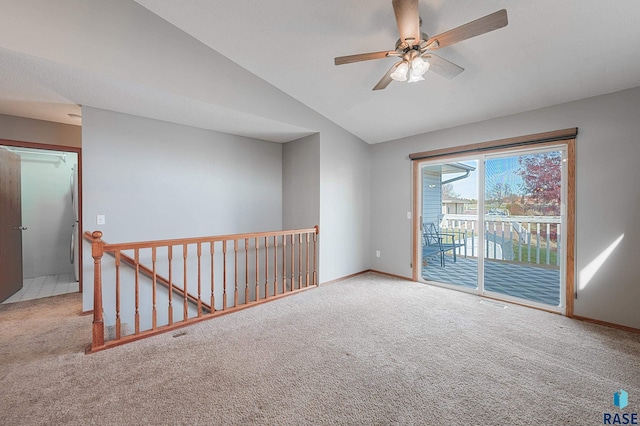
[56,55]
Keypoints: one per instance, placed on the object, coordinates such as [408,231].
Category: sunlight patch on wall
[587,273]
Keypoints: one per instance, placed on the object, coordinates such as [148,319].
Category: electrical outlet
[408,215]
[100,219]
[377,253]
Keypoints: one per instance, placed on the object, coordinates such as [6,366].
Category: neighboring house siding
[452,207]
[431,197]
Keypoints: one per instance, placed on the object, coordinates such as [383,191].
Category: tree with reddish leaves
[541,180]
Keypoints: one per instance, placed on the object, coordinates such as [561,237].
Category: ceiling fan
[414,46]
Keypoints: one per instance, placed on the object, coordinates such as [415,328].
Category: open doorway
[45,191]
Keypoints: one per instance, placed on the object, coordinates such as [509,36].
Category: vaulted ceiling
[249,67]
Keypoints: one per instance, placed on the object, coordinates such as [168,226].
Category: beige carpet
[369,350]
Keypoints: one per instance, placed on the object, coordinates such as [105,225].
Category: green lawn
[553,254]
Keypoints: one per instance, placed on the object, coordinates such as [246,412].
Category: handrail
[217,238]
[280,264]
[149,273]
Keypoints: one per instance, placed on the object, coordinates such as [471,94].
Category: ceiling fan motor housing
[403,47]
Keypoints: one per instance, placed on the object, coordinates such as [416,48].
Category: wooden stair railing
[256,268]
[149,274]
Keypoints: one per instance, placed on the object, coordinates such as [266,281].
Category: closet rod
[62,155]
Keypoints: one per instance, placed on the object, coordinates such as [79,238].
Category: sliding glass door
[493,225]
[523,226]
[450,223]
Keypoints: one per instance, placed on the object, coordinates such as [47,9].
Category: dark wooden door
[10,224]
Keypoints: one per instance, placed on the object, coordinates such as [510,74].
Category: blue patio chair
[438,242]
[432,243]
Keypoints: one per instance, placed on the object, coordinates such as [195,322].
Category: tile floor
[45,286]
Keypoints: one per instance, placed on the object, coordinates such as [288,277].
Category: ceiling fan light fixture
[413,77]
[419,66]
[400,73]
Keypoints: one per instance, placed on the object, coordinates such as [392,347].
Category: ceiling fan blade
[341,60]
[480,26]
[408,19]
[442,66]
[384,81]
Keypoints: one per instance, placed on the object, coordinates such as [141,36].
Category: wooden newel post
[315,255]
[97,250]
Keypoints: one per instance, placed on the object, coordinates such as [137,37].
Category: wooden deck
[530,282]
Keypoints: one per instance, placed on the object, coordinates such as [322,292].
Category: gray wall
[345,205]
[157,180]
[608,197]
[47,214]
[38,131]
[301,183]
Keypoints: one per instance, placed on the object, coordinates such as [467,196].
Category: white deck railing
[527,239]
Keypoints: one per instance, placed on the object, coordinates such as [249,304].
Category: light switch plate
[100,219]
